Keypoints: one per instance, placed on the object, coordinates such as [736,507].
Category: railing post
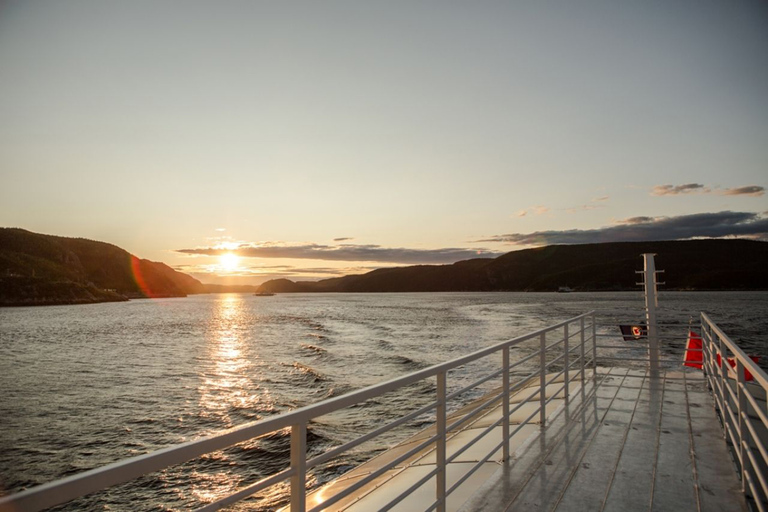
[581,350]
[719,391]
[723,382]
[543,381]
[594,348]
[706,358]
[566,376]
[704,353]
[440,480]
[299,467]
[741,408]
[505,402]
[710,366]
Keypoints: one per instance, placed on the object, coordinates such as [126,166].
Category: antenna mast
[651,303]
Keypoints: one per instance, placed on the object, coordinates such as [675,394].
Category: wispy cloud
[635,229]
[698,188]
[346,252]
[674,190]
[598,202]
[584,208]
[750,190]
[343,239]
[637,220]
[535,210]
[273,271]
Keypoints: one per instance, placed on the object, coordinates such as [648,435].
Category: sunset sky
[242,141]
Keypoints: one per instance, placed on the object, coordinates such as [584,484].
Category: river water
[83,386]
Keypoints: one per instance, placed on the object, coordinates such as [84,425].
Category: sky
[240,141]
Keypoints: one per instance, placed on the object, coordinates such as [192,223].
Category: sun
[229,261]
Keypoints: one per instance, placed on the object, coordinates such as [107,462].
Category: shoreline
[123,298]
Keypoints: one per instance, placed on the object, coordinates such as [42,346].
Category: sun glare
[229,261]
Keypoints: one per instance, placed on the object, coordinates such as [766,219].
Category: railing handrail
[733,399]
[75,486]
[757,372]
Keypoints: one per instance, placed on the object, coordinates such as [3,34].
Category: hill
[229,288]
[37,269]
[689,265]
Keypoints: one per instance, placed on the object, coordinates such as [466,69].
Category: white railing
[573,349]
[739,386]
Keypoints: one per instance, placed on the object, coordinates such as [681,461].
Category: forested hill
[689,265]
[38,269]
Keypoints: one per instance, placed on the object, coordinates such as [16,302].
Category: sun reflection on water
[229,392]
[226,386]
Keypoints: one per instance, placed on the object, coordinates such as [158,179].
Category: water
[83,386]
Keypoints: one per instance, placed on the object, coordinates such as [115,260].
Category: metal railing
[573,350]
[739,387]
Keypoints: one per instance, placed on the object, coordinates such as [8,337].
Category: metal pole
[723,394]
[581,350]
[505,402]
[299,467]
[650,310]
[705,358]
[440,480]
[710,366]
[565,346]
[741,408]
[543,381]
[594,348]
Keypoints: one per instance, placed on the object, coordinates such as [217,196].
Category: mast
[651,303]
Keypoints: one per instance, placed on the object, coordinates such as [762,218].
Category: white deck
[634,442]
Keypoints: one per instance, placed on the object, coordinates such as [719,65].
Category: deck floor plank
[675,481]
[633,481]
[595,472]
[719,487]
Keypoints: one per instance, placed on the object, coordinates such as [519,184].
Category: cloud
[636,220]
[536,210]
[673,190]
[328,271]
[637,229]
[584,207]
[346,252]
[262,272]
[698,188]
[343,239]
[590,205]
[750,190]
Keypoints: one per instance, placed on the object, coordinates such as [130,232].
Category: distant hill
[37,269]
[689,265]
[229,288]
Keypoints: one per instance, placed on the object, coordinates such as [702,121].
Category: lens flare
[138,277]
